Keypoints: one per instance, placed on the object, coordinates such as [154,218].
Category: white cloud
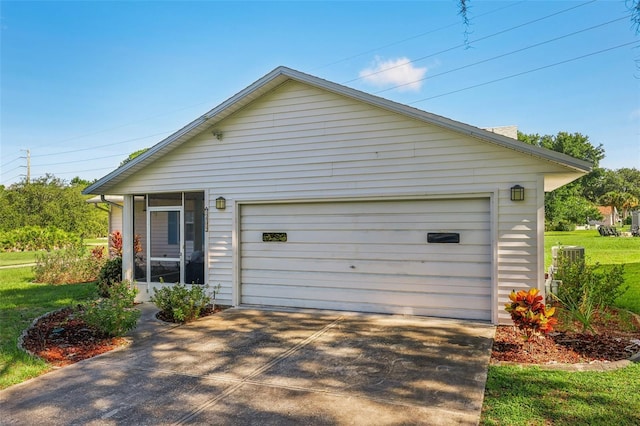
[635,114]
[398,72]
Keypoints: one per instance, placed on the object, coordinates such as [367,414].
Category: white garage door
[369,256]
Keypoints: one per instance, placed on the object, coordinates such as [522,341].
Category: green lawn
[20,302]
[17,258]
[530,396]
[605,251]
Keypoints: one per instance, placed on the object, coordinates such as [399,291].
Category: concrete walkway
[263,367]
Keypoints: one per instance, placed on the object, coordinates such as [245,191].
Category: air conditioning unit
[571,253]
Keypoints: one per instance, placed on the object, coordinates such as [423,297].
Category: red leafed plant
[529,313]
[115,248]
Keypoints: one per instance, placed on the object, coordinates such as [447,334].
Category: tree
[619,188]
[50,202]
[133,155]
[575,202]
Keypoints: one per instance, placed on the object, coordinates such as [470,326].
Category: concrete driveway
[264,367]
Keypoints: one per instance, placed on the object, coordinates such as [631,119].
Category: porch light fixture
[221,203]
[517,193]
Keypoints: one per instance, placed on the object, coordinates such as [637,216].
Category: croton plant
[529,313]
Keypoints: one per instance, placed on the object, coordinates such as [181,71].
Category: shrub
[180,304]
[579,281]
[31,238]
[563,226]
[111,272]
[529,314]
[581,310]
[115,315]
[68,266]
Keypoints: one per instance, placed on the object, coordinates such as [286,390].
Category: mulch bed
[62,338]
[617,338]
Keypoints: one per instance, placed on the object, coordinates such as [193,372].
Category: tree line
[577,202]
[50,202]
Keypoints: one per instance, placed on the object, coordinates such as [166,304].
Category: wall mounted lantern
[221,203]
[517,193]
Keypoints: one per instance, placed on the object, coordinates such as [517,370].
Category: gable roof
[282,74]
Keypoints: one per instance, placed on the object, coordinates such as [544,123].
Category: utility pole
[28,164]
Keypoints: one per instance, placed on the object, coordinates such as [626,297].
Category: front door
[165,245]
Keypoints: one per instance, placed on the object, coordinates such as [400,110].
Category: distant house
[300,192]
[610,214]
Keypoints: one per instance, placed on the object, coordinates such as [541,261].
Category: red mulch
[63,339]
[616,338]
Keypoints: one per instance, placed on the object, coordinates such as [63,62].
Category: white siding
[299,142]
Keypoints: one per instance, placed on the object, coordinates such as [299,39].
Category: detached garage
[299,192]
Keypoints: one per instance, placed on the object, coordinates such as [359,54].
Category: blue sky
[84,84]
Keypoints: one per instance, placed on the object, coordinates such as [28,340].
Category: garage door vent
[443,237]
[277,237]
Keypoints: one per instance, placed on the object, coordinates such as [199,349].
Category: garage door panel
[351,267]
[403,237]
[398,298]
[399,252]
[469,286]
[369,256]
[407,221]
[382,250]
[476,205]
[470,313]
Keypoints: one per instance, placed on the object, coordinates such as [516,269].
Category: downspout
[104,200]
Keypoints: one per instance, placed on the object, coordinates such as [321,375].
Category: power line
[84,171]
[467,43]
[504,54]
[84,160]
[395,43]
[128,124]
[16,176]
[525,72]
[9,162]
[15,168]
[103,146]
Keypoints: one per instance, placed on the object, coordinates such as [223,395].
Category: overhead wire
[467,43]
[93,148]
[395,43]
[525,72]
[84,160]
[504,54]
[9,162]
